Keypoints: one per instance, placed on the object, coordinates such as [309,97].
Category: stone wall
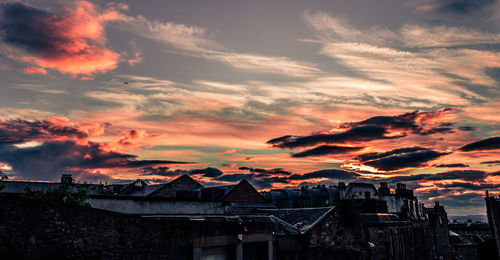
[147,206]
[42,229]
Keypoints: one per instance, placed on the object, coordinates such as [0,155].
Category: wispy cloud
[434,62]
[196,41]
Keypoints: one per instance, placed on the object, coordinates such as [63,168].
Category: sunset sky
[281,93]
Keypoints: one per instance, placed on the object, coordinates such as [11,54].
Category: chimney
[66,179]
[341,190]
[384,189]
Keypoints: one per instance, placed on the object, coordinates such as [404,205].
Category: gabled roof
[183,179]
[302,219]
[243,192]
[139,188]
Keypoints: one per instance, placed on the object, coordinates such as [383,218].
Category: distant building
[438,221]
[321,195]
[402,201]
[493,212]
[20,187]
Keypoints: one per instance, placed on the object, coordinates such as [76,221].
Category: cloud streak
[398,159]
[356,134]
[196,41]
[492,143]
[424,59]
[326,150]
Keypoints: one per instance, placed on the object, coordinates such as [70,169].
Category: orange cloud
[227,151]
[72,43]
[34,70]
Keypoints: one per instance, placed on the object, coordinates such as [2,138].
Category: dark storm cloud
[161,171]
[326,150]
[48,160]
[356,134]
[25,26]
[467,128]
[464,6]
[375,128]
[491,143]
[265,172]
[331,174]
[451,165]
[466,175]
[235,177]
[165,171]
[468,186]
[491,163]
[18,131]
[207,172]
[414,122]
[399,158]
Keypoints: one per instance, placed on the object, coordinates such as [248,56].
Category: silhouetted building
[493,212]
[438,222]
[20,187]
[402,201]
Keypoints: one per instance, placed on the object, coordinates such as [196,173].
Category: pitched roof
[303,219]
[181,180]
[243,192]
